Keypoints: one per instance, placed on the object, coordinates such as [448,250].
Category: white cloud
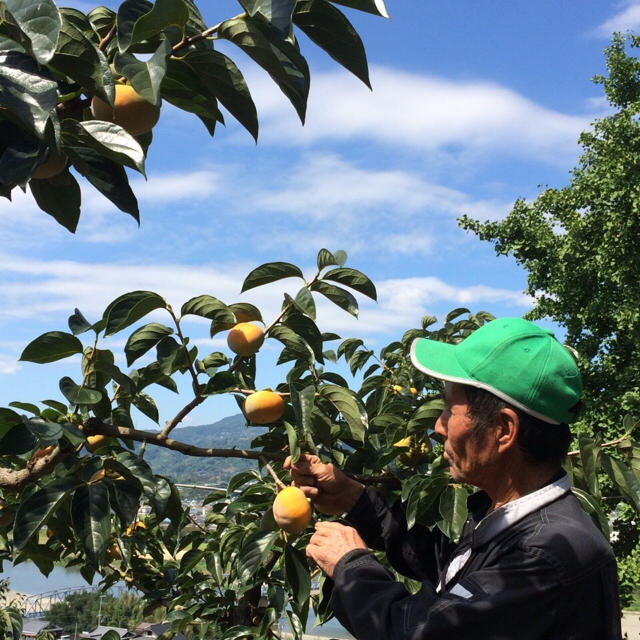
[627,19]
[423,113]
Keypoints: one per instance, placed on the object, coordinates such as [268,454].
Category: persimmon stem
[279,484]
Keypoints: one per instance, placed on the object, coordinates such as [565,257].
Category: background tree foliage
[54,61]
[579,246]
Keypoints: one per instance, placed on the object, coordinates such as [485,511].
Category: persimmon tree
[55,63]
[237,575]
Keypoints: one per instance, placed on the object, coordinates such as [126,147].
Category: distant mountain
[225,434]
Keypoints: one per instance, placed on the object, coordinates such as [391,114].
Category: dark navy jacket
[535,569]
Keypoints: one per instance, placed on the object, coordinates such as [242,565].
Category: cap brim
[437,359]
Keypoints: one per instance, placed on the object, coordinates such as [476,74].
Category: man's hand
[330,542]
[331,491]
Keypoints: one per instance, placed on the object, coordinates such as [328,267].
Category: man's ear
[507,428]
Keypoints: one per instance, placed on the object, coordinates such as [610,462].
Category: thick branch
[16,479]
[96,426]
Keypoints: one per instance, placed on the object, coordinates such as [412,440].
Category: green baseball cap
[515,360]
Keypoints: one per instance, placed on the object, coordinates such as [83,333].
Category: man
[530,564]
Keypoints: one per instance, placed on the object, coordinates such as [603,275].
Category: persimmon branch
[16,479]
[205,34]
[611,443]
[95,426]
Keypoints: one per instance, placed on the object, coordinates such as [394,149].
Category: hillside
[224,434]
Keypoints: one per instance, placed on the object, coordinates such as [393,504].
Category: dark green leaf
[297,577]
[51,346]
[129,308]
[376,7]
[221,382]
[594,508]
[78,395]
[19,155]
[354,279]
[277,12]
[146,404]
[135,467]
[90,511]
[21,76]
[350,407]
[47,432]
[589,457]
[208,307]
[57,406]
[305,303]
[452,315]
[164,13]
[78,323]
[221,79]
[80,59]
[36,507]
[59,196]
[145,76]
[8,420]
[26,406]
[40,21]
[129,12]
[453,509]
[107,176]
[245,312]
[623,478]
[338,296]
[108,139]
[303,402]
[278,57]
[330,30]
[293,342]
[270,272]
[143,339]
[124,498]
[325,259]
[294,446]
[253,554]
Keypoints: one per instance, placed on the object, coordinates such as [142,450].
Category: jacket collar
[489,526]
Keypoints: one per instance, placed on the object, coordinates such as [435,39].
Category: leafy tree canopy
[63,104]
[579,246]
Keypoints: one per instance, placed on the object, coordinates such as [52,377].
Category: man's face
[469,455]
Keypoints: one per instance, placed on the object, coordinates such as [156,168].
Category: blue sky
[474,104]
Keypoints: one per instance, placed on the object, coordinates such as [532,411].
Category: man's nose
[439,427]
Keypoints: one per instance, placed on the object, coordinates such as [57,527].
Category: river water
[26,578]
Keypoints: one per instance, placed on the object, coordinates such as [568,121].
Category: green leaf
[219,76]
[51,346]
[80,59]
[270,272]
[78,323]
[594,508]
[294,446]
[145,76]
[57,406]
[108,139]
[338,296]
[209,307]
[8,420]
[90,511]
[20,76]
[36,507]
[47,432]
[623,478]
[453,509]
[354,279]
[293,342]
[589,457]
[376,7]
[129,12]
[331,31]
[102,20]
[277,12]
[26,406]
[304,302]
[136,468]
[246,312]
[143,339]
[221,382]
[59,196]
[129,308]
[164,13]
[182,87]
[40,21]
[253,554]
[325,259]
[297,576]
[78,395]
[146,404]
[107,176]
[19,155]
[303,402]
[452,315]
[278,57]
[350,407]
